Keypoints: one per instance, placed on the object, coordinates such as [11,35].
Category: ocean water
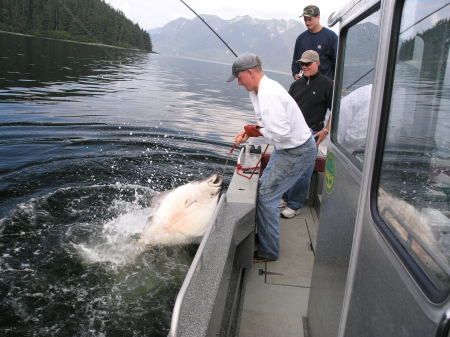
[87,136]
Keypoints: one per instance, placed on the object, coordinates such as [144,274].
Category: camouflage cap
[310,11]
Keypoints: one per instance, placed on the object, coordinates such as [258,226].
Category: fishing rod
[232,51]
[226,44]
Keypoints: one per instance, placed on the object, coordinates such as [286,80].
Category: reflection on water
[86,82]
[87,136]
[414,188]
[40,69]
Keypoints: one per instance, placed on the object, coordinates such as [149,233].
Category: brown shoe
[259,259]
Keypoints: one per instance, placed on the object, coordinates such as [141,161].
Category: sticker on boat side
[330,173]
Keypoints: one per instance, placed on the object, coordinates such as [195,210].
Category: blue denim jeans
[284,169]
[296,196]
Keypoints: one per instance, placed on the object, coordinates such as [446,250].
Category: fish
[182,215]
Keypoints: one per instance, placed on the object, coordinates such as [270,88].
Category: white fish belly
[174,223]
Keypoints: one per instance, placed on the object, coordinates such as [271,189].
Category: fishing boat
[370,253]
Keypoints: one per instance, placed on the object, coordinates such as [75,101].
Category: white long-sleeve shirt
[276,111]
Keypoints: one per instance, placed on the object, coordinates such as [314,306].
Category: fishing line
[228,157]
[232,51]
[226,44]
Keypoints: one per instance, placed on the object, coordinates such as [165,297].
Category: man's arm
[333,52]
[329,93]
[295,66]
[274,117]
[322,134]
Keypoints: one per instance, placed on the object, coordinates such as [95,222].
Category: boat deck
[276,294]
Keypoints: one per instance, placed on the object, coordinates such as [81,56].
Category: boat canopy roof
[350,6]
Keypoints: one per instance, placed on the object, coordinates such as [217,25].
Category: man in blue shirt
[318,38]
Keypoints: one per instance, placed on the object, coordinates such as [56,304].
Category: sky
[156,13]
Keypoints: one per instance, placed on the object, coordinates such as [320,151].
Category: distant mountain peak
[272,39]
[241,18]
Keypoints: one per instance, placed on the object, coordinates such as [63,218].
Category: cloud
[156,13]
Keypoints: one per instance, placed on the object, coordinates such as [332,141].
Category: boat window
[353,101]
[414,186]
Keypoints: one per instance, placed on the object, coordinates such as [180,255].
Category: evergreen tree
[81,20]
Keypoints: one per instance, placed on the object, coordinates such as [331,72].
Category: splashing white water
[117,241]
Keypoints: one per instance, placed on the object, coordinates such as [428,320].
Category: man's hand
[322,134]
[241,137]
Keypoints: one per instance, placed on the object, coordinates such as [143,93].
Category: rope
[254,169]
[239,167]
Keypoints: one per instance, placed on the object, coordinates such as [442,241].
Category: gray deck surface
[276,294]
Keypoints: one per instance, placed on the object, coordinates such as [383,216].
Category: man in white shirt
[281,123]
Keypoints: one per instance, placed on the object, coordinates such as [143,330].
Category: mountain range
[273,40]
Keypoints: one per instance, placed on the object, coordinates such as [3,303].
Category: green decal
[330,173]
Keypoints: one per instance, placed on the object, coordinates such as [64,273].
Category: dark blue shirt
[324,43]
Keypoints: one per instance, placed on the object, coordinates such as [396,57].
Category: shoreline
[96,44]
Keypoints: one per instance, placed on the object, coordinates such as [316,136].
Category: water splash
[69,266]
[117,242]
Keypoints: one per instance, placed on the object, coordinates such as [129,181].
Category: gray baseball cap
[243,62]
[309,56]
[310,11]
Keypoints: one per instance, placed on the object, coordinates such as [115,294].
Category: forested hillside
[81,20]
[430,37]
